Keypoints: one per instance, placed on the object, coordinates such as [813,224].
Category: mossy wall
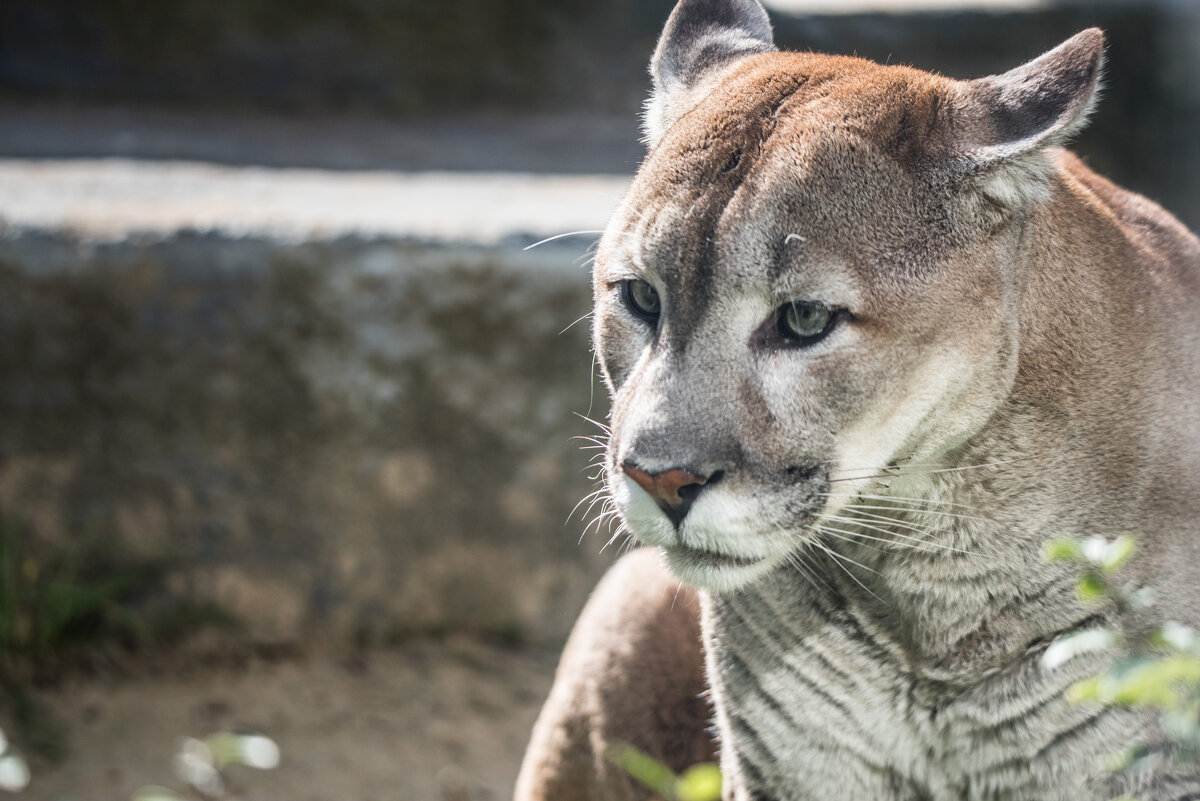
[350,438]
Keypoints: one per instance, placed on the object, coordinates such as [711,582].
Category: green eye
[641,298]
[805,322]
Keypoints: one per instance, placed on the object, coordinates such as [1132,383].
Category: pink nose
[664,487]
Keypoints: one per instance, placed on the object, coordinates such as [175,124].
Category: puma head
[812,278]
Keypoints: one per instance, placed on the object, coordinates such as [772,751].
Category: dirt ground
[444,721]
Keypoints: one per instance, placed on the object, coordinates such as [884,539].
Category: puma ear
[1002,122]
[700,36]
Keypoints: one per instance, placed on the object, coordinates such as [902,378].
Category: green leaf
[1143,683]
[1176,637]
[1091,588]
[1116,554]
[225,749]
[1114,763]
[1085,690]
[644,768]
[251,750]
[699,783]
[1062,549]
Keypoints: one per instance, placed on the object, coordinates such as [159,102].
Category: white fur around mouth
[717,571]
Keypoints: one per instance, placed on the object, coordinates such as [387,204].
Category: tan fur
[633,673]
[1009,306]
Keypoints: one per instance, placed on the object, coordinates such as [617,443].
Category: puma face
[809,282]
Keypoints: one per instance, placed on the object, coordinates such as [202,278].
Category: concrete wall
[341,438]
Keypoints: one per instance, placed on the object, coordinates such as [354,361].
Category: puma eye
[641,298]
[805,322]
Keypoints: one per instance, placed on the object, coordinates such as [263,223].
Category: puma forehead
[792,158]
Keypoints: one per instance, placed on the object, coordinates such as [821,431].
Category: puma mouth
[703,558]
[719,572]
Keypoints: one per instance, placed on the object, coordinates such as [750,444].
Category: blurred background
[289,413]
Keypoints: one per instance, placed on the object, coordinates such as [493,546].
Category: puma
[872,337]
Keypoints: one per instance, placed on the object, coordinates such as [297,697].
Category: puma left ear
[1002,122]
[700,36]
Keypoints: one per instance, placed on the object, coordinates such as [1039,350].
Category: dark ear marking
[992,131]
[703,34]
[700,36]
[1035,105]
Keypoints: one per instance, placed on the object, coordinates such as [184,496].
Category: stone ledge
[114,199]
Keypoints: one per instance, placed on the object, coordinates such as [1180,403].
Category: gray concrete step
[111,199]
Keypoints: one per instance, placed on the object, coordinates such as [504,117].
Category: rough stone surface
[351,437]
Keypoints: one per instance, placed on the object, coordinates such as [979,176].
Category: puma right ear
[700,36]
[1002,122]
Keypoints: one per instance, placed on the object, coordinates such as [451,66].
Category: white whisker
[937,512]
[838,560]
[796,559]
[590,499]
[596,423]
[581,319]
[560,236]
[855,537]
[853,521]
[897,499]
[900,471]
[914,543]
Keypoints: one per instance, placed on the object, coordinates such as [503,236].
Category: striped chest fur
[816,697]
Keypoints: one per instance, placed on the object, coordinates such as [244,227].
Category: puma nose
[673,490]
